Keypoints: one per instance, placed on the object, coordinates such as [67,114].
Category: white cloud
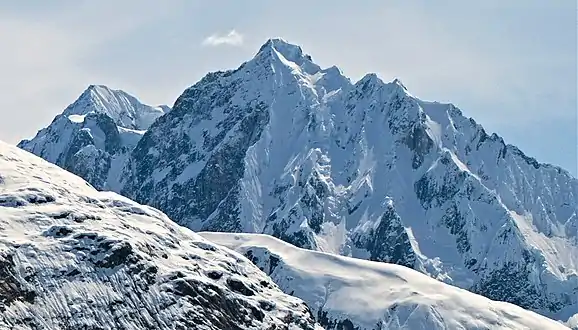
[232,38]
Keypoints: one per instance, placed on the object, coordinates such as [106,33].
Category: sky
[511,65]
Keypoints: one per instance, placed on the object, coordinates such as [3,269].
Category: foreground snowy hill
[371,295]
[94,135]
[75,258]
[284,147]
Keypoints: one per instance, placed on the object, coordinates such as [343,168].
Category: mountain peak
[95,94]
[97,87]
[93,133]
[125,109]
[374,79]
[372,82]
[291,52]
[277,49]
[398,82]
[371,78]
[95,90]
[282,147]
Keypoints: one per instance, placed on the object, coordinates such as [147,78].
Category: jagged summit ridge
[278,50]
[284,62]
[97,259]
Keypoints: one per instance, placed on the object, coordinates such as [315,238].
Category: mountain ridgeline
[281,146]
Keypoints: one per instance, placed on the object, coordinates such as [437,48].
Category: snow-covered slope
[75,258]
[283,147]
[94,135]
[371,295]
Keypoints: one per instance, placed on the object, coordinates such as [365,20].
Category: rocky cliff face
[75,258]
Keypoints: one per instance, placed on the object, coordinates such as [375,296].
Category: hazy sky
[509,64]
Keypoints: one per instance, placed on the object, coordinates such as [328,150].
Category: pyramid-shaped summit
[283,147]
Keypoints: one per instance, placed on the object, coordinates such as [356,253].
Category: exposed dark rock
[58,231]
[389,242]
[455,222]
[511,283]
[239,286]
[420,143]
[11,287]
[329,324]
[214,274]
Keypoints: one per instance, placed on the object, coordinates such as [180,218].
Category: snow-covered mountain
[94,135]
[284,147]
[75,258]
[347,293]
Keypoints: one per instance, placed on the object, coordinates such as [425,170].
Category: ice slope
[371,295]
[75,258]
[94,135]
[284,147]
